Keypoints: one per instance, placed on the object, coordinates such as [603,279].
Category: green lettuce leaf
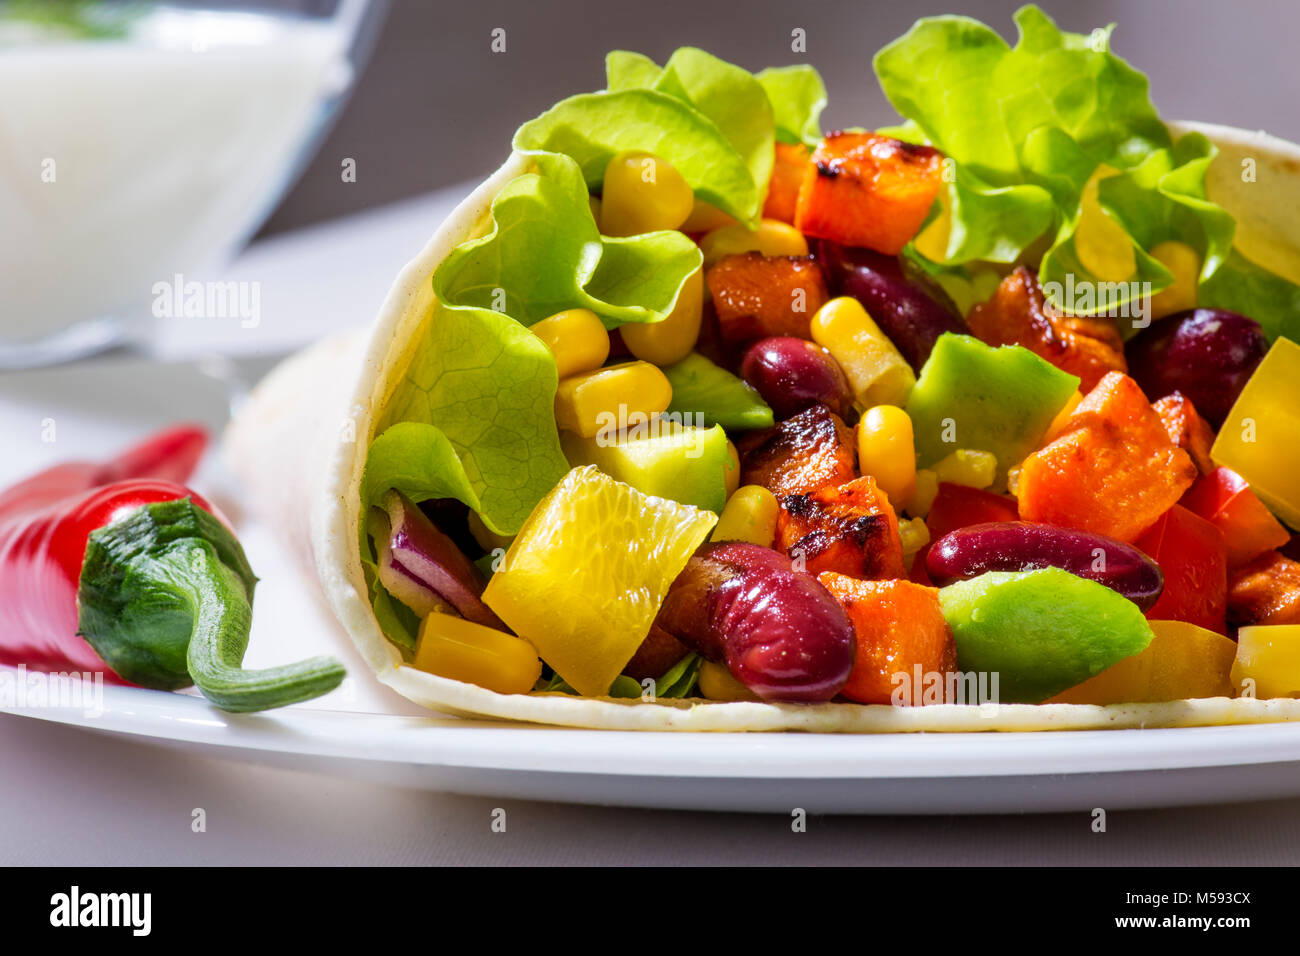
[625,70]
[1252,290]
[1028,127]
[419,461]
[488,385]
[545,254]
[592,127]
[798,97]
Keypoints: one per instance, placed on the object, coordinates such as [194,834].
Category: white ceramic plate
[364,730]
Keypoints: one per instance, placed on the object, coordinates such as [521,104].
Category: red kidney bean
[779,631]
[794,374]
[1023,546]
[905,312]
[1207,354]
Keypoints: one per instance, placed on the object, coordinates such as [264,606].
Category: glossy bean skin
[1023,546]
[1207,354]
[794,374]
[905,312]
[779,631]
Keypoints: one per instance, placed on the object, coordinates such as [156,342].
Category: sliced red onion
[423,568]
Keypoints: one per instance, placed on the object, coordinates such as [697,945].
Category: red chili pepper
[139,580]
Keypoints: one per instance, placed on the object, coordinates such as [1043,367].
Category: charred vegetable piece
[756,295]
[656,655]
[423,568]
[780,632]
[1020,546]
[900,628]
[794,374]
[1017,315]
[850,528]
[1187,429]
[1191,555]
[910,316]
[1114,471]
[792,160]
[864,189]
[1207,354]
[800,455]
[1265,591]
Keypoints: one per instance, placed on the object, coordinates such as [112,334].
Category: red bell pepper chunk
[1224,499]
[1193,559]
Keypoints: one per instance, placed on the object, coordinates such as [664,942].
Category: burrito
[693,417]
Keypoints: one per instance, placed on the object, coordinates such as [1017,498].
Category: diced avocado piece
[1040,631]
[702,388]
[680,463]
[971,395]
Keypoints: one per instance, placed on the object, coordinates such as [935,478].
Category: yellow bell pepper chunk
[772,238]
[717,683]
[876,370]
[577,338]
[1184,262]
[458,649]
[1268,656]
[671,339]
[642,193]
[1182,661]
[1260,439]
[915,535]
[607,399]
[887,451]
[750,516]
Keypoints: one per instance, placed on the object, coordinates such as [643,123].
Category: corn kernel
[927,488]
[1100,242]
[887,452]
[705,217]
[642,193]
[576,338]
[1013,481]
[933,239]
[717,683]
[750,516]
[731,472]
[593,203]
[772,238]
[915,535]
[671,339]
[458,649]
[488,539]
[877,372]
[965,466]
[609,398]
[1057,428]
[1182,260]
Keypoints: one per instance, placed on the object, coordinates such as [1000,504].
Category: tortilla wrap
[299,446]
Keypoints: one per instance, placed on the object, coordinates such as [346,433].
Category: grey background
[436,106]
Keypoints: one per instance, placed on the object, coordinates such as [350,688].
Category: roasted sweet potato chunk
[849,528]
[1187,429]
[792,160]
[900,626]
[1113,470]
[864,189]
[756,295]
[1017,314]
[1265,591]
[812,450]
